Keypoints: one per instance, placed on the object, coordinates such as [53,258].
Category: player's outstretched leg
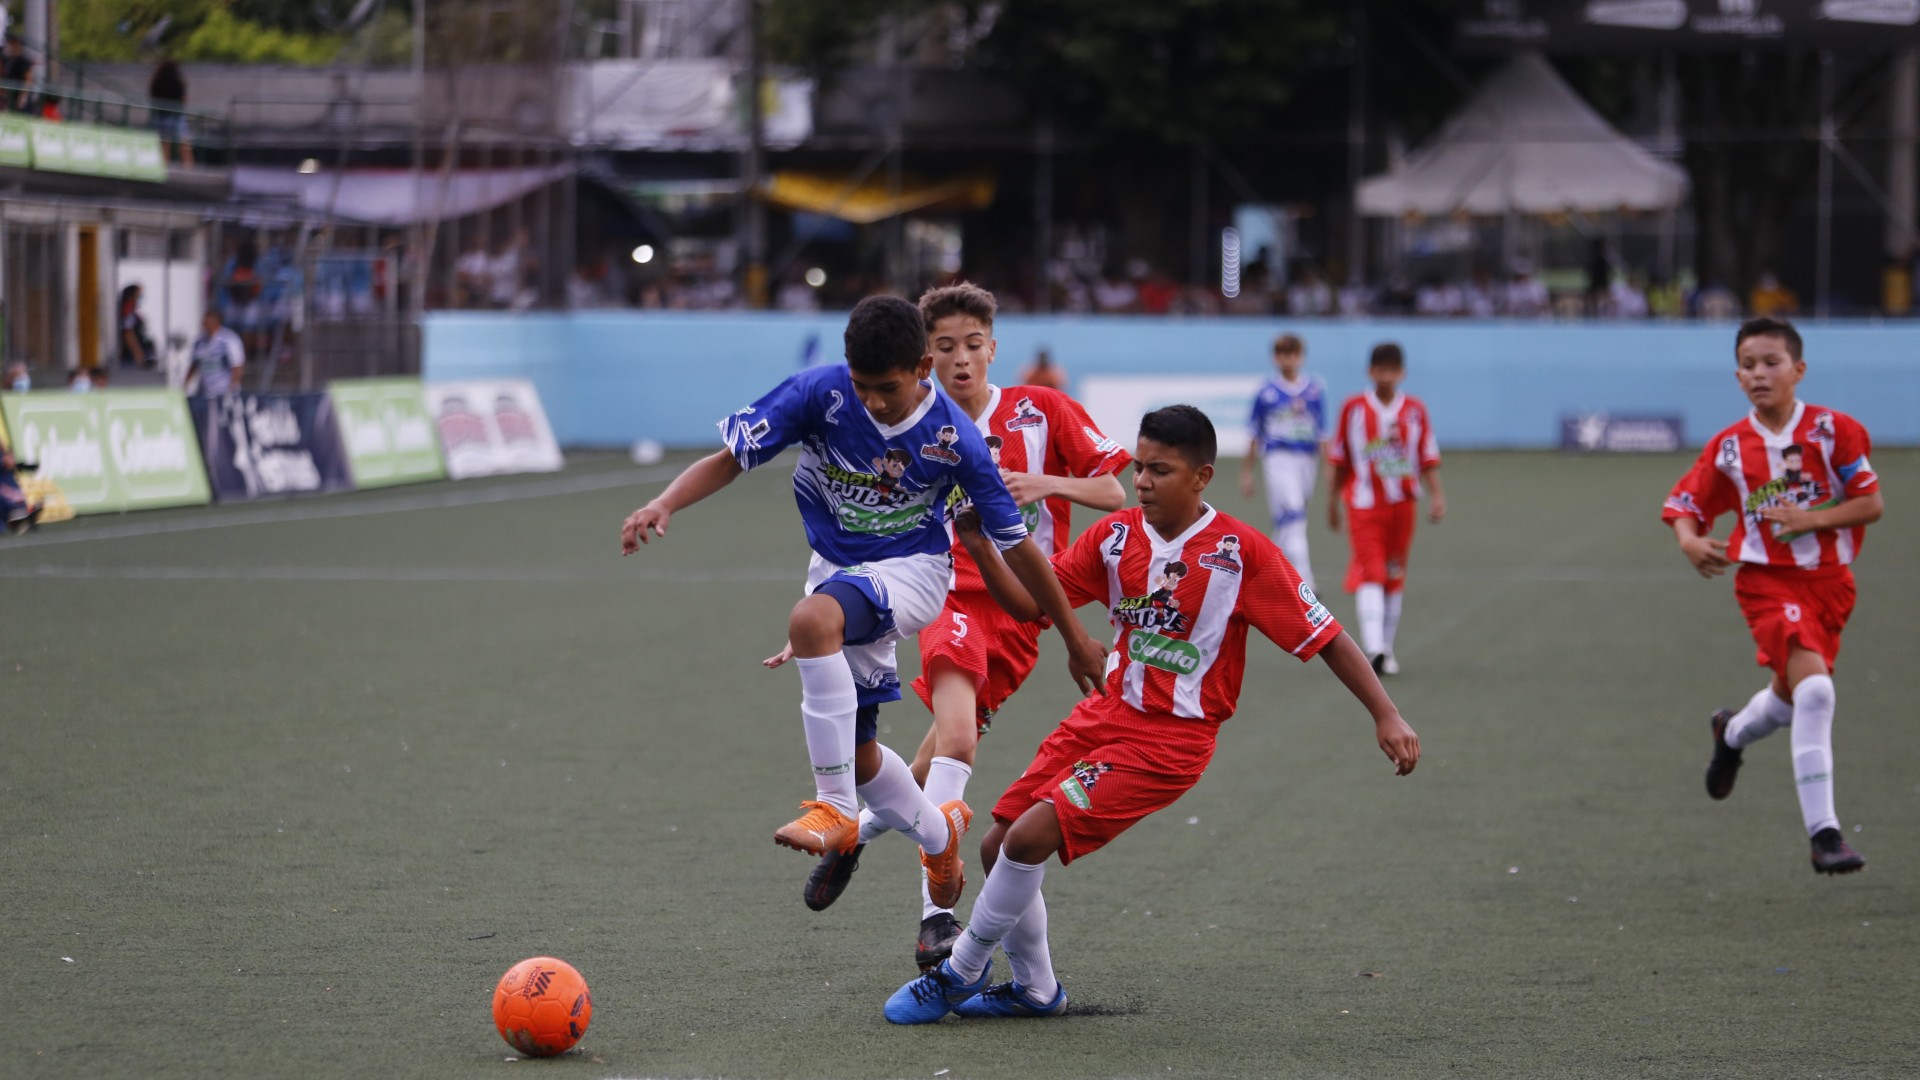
[1813,704]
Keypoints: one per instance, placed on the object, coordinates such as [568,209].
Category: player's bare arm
[1342,476]
[1353,669]
[1102,493]
[1005,589]
[1086,660]
[701,479]
[1247,465]
[1860,510]
[1437,497]
[1708,556]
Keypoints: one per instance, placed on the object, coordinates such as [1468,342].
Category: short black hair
[885,334]
[1765,325]
[1387,355]
[894,453]
[1184,428]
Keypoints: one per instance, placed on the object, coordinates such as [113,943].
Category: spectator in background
[100,377]
[136,348]
[470,271]
[1716,301]
[1770,299]
[168,89]
[50,108]
[243,291]
[1308,295]
[796,295]
[16,67]
[80,381]
[16,511]
[18,380]
[1481,296]
[1042,372]
[218,357]
[1527,298]
[1113,296]
[1625,298]
[1157,293]
[1665,299]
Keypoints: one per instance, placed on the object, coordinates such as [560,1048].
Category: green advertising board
[389,434]
[110,451]
[88,149]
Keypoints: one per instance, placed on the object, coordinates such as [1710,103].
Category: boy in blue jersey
[881,450]
[1289,423]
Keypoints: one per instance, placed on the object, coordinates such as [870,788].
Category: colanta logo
[1165,653]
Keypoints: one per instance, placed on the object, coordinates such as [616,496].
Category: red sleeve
[1278,604]
[1850,446]
[1080,445]
[1337,442]
[1429,448]
[1703,494]
[1082,567]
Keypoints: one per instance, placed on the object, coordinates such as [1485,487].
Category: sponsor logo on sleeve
[1317,613]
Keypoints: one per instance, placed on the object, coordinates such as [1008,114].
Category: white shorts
[1290,478]
[910,593]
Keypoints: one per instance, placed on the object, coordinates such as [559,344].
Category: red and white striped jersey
[1037,429]
[1379,450]
[1180,609]
[1819,460]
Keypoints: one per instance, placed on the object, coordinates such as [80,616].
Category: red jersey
[1180,609]
[1035,429]
[1378,451]
[1819,460]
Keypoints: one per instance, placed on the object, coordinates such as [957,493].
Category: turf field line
[283,513]
[390,574]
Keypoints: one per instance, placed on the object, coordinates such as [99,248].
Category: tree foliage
[232,31]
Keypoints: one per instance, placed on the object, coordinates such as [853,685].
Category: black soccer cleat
[1379,661]
[938,932]
[1831,855]
[829,877]
[1726,760]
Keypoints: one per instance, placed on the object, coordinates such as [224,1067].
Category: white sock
[1764,715]
[871,827]
[1390,619]
[1292,538]
[1028,955]
[898,802]
[946,781]
[1813,751]
[827,704]
[1371,603]
[1008,893]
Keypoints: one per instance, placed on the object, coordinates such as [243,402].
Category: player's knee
[1814,694]
[816,626]
[1034,838]
[990,846]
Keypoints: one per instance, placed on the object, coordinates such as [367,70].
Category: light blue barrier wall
[608,378]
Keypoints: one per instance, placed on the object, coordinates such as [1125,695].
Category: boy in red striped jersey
[1173,677]
[1383,452]
[1797,478]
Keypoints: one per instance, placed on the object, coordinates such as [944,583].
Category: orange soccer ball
[542,1006]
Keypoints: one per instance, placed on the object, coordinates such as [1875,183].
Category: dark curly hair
[1184,428]
[885,334]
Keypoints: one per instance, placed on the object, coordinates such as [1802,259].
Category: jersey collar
[1785,437]
[1178,542]
[1381,407]
[985,423]
[914,417]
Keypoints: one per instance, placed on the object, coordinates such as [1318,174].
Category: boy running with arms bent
[1174,678]
[1797,477]
[880,565]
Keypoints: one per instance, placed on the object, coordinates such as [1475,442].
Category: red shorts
[977,636]
[1380,537]
[1104,768]
[1786,607]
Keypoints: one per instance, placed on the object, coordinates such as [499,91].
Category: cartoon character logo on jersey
[1078,788]
[1794,487]
[1025,415]
[941,449]
[994,443]
[1822,428]
[1225,556]
[890,469]
[1159,609]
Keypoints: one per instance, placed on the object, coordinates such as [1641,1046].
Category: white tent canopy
[1525,143]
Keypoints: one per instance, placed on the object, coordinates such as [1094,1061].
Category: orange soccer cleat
[820,830]
[944,876]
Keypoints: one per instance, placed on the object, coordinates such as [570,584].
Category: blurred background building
[325,172]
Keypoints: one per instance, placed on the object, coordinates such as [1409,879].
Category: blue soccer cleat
[1009,1000]
[933,995]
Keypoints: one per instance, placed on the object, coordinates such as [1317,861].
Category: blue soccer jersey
[868,492]
[1291,416]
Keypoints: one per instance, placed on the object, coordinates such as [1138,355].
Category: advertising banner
[491,427]
[1117,402]
[387,431]
[16,141]
[1608,433]
[127,153]
[264,445]
[110,451]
